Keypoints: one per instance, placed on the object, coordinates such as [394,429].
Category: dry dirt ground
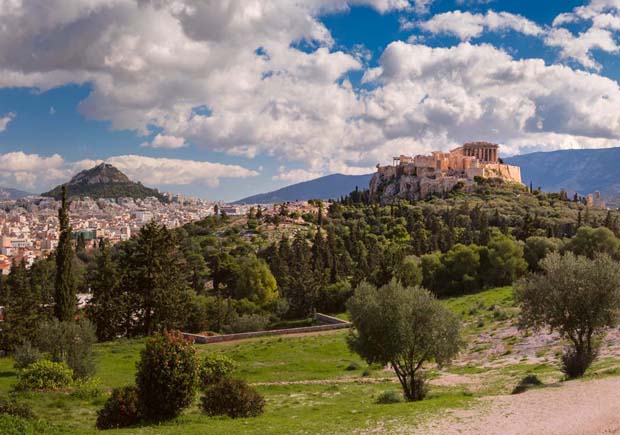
[568,408]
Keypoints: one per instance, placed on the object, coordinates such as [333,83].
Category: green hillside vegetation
[116,190]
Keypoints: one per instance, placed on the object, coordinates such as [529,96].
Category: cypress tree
[65,294]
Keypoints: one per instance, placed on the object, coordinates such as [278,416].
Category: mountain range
[580,170]
[328,187]
[9,193]
[104,181]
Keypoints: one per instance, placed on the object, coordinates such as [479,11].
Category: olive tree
[404,327]
[575,296]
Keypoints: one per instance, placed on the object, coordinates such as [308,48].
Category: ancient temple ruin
[418,176]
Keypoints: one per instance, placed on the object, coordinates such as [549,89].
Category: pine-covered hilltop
[104,181]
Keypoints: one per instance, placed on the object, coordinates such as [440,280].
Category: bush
[352,367]
[86,388]
[234,398]
[45,375]
[246,323]
[70,342]
[215,367]
[575,363]
[526,383]
[13,425]
[25,355]
[11,407]
[120,410]
[166,376]
[389,396]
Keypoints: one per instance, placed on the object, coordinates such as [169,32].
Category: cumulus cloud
[6,120]
[230,76]
[603,17]
[38,173]
[466,25]
[163,141]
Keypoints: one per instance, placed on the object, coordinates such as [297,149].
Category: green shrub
[389,396]
[26,354]
[86,388]
[11,407]
[45,375]
[120,410]
[70,342]
[352,367]
[13,425]
[166,376]
[526,383]
[246,323]
[234,398]
[214,367]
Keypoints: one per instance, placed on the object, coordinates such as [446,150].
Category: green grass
[339,404]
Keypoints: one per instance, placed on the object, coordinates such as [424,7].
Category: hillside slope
[104,181]
[328,187]
[582,171]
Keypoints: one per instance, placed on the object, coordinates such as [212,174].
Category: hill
[329,187]
[581,171]
[104,181]
[9,193]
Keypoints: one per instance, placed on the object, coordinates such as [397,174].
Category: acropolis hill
[440,172]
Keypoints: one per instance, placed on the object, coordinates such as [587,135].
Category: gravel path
[571,408]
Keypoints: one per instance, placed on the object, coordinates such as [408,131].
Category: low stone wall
[332,323]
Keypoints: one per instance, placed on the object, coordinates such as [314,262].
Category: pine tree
[21,312]
[65,293]
[106,308]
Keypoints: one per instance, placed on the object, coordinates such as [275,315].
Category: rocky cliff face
[104,173]
[387,186]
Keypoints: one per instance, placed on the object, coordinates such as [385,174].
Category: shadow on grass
[7,374]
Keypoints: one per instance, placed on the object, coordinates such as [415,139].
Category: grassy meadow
[314,385]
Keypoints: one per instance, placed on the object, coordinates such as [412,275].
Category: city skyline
[222,100]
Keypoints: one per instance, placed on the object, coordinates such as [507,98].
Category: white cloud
[6,120]
[604,19]
[163,141]
[466,25]
[296,175]
[38,173]
[227,76]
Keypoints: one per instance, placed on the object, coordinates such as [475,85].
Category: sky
[222,99]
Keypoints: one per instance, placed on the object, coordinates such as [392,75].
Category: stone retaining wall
[331,324]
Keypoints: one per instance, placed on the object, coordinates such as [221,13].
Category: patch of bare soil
[570,408]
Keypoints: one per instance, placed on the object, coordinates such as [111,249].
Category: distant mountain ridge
[104,181]
[579,170]
[328,187]
[10,193]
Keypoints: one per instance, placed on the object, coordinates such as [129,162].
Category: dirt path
[571,408]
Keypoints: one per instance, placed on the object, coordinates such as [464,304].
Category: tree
[590,241]
[575,296]
[403,327]
[154,278]
[22,308]
[459,270]
[255,281]
[166,376]
[65,293]
[409,272]
[107,305]
[536,248]
[506,261]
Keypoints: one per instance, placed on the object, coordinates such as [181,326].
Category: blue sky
[230,98]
